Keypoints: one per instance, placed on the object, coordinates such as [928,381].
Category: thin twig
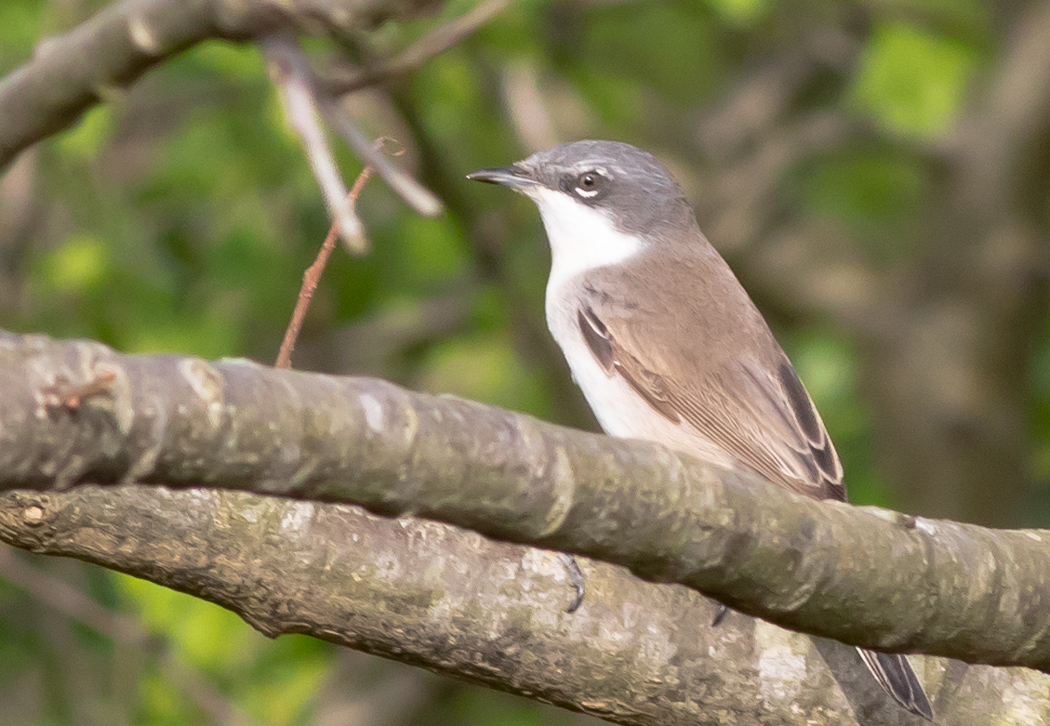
[433,43]
[312,277]
[529,113]
[294,80]
[421,199]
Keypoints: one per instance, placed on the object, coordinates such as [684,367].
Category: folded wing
[757,412]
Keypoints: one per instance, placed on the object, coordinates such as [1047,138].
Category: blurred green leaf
[205,635]
[828,368]
[90,134]
[284,685]
[21,28]
[912,81]
[237,61]
[671,49]
[429,251]
[482,368]
[162,704]
[80,263]
[740,12]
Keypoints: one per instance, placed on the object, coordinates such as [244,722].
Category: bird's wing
[769,425]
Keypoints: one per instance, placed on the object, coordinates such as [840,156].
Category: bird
[664,341]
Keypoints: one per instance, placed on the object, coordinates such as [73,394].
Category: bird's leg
[576,578]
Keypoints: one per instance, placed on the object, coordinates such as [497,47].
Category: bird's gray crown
[628,184]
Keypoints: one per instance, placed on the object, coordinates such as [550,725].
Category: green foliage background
[180,215]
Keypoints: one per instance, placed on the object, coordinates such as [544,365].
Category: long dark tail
[896,677]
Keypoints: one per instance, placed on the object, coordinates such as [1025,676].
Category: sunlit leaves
[89,135]
[740,12]
[81,262]
[913,81]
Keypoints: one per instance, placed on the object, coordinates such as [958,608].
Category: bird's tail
[897,678]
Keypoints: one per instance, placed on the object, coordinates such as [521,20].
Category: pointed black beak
[508,176]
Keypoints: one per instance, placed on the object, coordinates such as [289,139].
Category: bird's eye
[588,184]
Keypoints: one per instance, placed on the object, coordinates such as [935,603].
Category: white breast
[582,240]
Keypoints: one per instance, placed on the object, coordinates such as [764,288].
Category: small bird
[664,341]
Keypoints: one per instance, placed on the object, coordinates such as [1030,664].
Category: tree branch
[433,43]
[293,79]
[71,73]
[76,412]
[488,612]
[1004,138]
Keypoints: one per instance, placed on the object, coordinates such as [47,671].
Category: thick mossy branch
[79,412]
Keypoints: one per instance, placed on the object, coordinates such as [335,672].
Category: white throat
[581,238]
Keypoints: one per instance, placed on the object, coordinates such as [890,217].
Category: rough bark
[492,613]
[79,412]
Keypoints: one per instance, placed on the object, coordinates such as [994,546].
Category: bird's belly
[617,406]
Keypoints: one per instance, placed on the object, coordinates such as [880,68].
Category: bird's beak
[509,176]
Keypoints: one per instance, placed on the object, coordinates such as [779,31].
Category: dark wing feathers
[597,337]
[771,427]
[648,385]
[898,679]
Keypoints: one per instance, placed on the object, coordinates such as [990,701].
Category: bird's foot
[576,578]
[720,614]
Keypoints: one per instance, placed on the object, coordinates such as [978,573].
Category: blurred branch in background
[433,43]
[71,73]
[292,77]
[130,37]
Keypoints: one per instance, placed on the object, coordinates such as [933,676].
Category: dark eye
[589,183]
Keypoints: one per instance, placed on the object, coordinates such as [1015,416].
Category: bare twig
[529,111]
[435,42]
[415,195]
[312,277]
[294,80]
[305,102]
